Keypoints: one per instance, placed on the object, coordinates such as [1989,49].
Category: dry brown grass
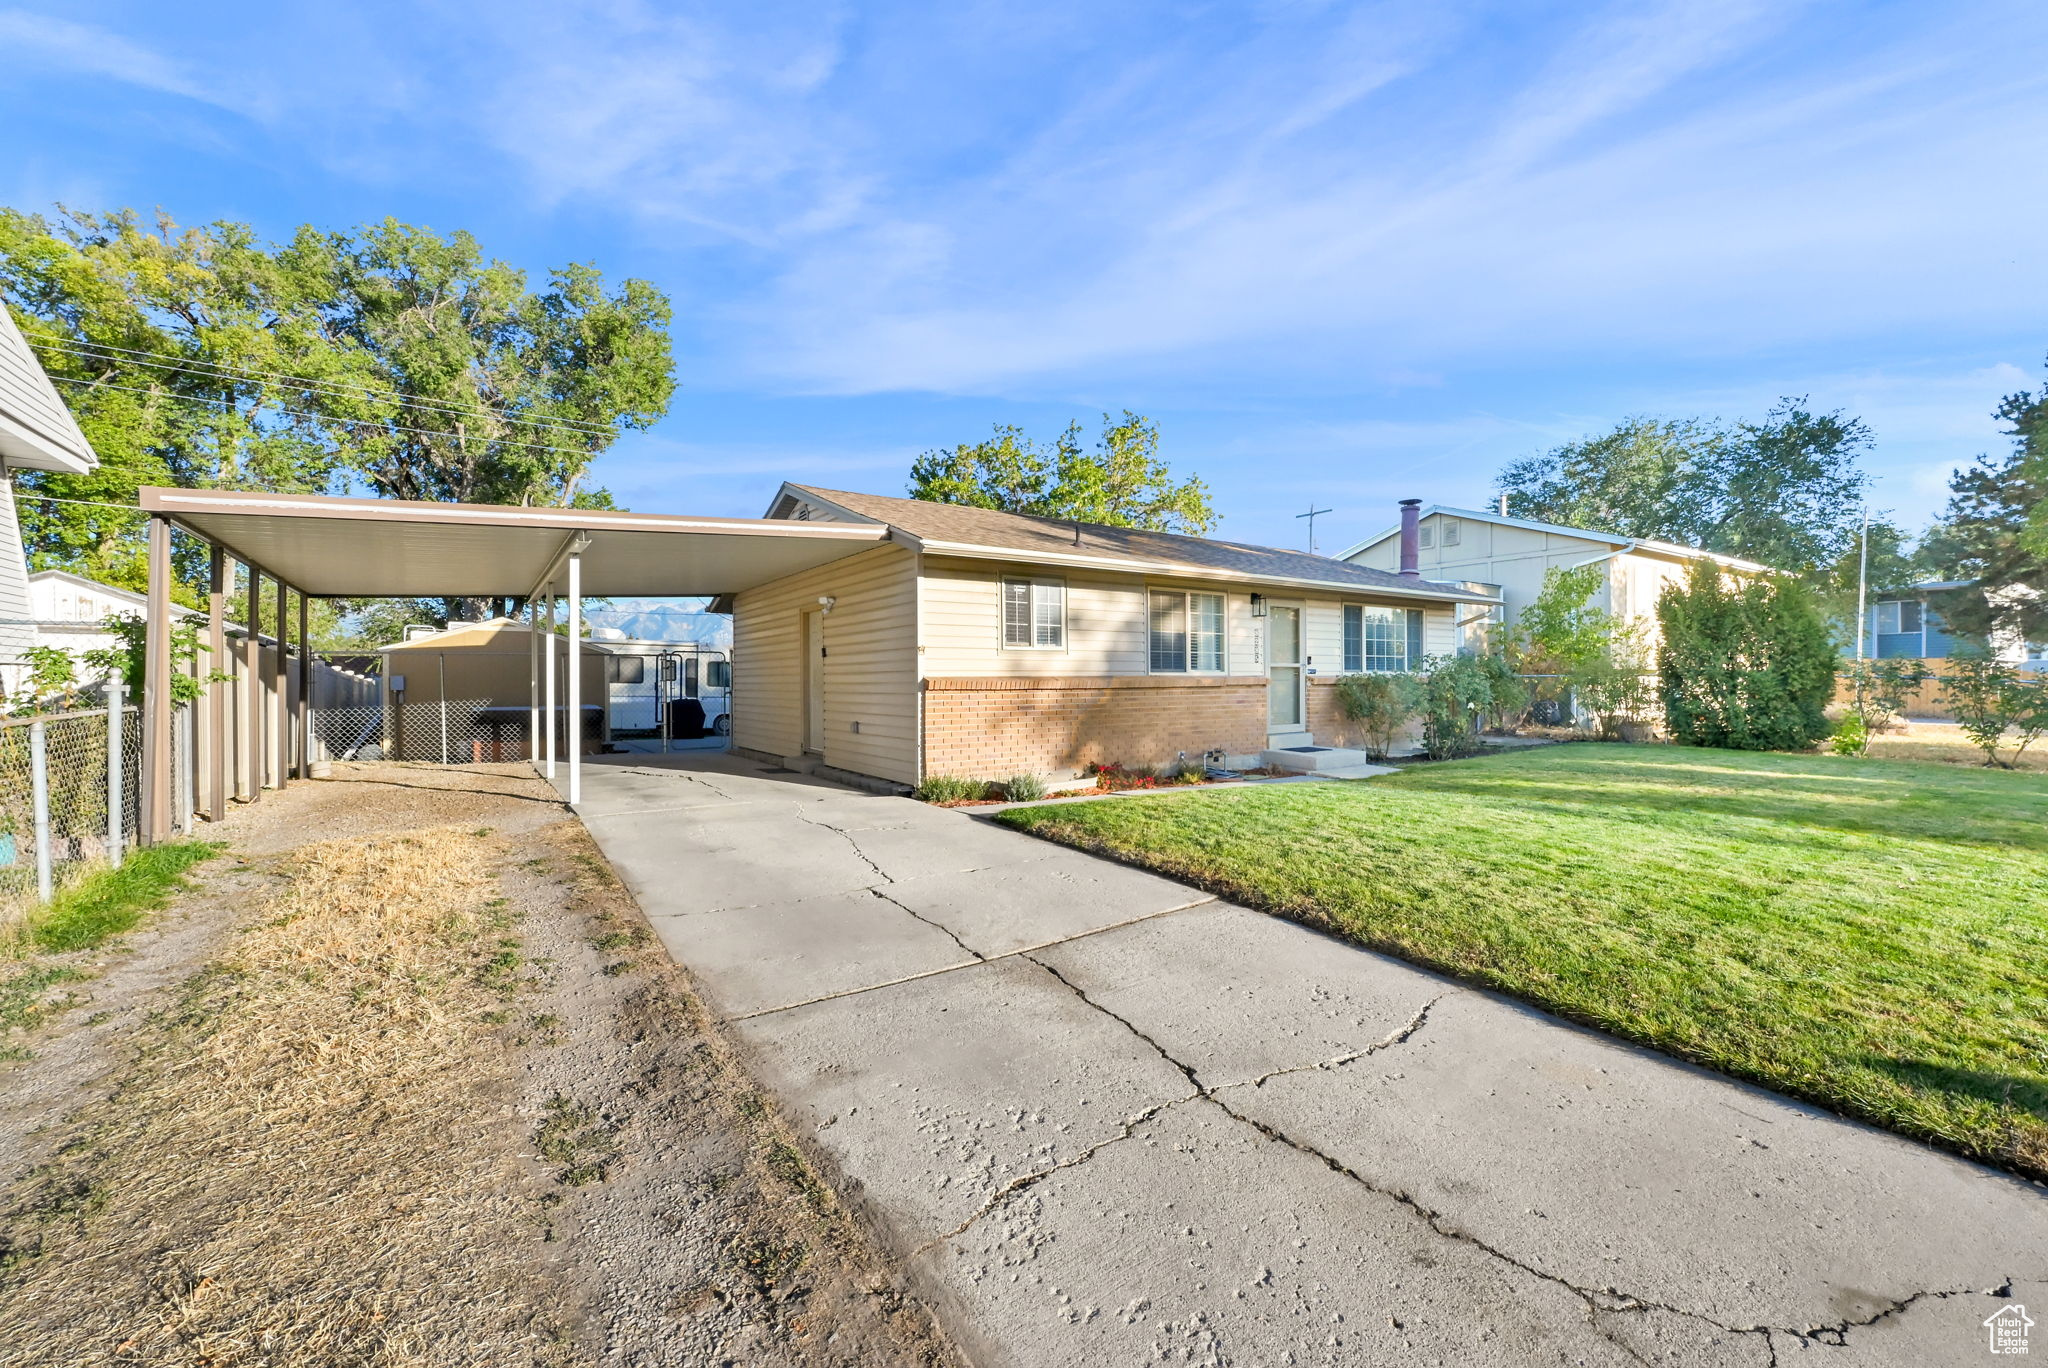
[1945,743]
[321,1082]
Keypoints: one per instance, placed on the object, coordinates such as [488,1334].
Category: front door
[814,682]
[1283,669]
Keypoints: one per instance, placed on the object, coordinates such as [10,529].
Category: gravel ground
[607,1186]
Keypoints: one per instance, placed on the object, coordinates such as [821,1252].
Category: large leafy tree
[1633,482]
[1744,664]
[389,358]
[1994,532]
[1120,482]
[1786,491]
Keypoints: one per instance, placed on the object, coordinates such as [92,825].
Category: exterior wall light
[1258,605]
[825,602]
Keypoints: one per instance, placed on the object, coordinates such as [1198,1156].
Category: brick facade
[987,728]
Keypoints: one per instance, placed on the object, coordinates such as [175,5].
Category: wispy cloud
[44,45]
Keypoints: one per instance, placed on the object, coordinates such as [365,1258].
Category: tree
[1991,698]
[1786,491]
[389,357]
[1121,483]
[1994,532]
[1744,665]
[1632,482]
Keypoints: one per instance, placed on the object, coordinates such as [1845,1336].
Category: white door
[1283,668]
[814,682]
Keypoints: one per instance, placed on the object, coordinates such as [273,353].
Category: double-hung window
[1034,614]
[1186,633]
[1381,639]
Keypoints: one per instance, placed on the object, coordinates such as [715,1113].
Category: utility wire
[92,351]
[308,413]
[82,503]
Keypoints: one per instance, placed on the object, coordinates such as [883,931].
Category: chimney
[1411,538]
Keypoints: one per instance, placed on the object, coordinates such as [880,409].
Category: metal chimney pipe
[1411,538]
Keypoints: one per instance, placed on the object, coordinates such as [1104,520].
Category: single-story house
[71,611]
[1514,554]
[1906,624]
[980,643]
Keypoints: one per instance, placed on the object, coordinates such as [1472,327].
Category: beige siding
[870,664]
[1107,624]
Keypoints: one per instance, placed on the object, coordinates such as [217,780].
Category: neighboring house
[36,433]
[71,611]
[985,644]
[1515,554]
[1905,624]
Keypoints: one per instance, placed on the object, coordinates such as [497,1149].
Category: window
[1898,615]
[1034,615]
[1186,633]
[718,674]
[1381,639]
[689,676]
[1454,531]
[627,669]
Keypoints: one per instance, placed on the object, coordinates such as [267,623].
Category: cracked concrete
[1106,1118]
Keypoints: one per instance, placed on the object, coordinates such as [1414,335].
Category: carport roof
[389,548]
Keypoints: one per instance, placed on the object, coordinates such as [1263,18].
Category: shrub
[950,788]
[1456,692]
[1990,698]
[1381,704]
[1114,778]
[1511,693]
[1851,736]
[1744,666]
[1613,685]
[1878,689]
[1023,788]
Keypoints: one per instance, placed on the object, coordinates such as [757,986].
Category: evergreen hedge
[1744,665]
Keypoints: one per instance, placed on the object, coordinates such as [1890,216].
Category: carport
[296,548]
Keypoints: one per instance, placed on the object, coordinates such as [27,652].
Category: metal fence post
[187,762]
[39,786]
[117,801]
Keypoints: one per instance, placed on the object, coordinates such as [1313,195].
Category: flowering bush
[1114,778]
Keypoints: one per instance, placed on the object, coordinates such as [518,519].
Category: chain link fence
[451,731]
[70,794]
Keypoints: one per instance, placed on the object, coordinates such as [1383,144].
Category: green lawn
[1870,934]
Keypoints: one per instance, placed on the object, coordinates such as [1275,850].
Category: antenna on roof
[1312,514]
[1077,531]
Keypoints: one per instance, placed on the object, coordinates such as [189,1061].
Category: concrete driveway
[1104,1118]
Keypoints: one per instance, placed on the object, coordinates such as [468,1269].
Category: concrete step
[1313,759]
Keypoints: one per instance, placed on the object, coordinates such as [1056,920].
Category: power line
[308,413]
[82,503]
[92,351]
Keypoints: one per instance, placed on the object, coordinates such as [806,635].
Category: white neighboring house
[71,611]
[36,433]
[1515,553]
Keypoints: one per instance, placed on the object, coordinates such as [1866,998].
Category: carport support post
[254,727]
[277,682]
[303,730]
[216,691]
[575,730]
[548,667]
[532,679]
[156,688]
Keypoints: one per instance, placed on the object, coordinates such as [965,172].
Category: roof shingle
[1057,538]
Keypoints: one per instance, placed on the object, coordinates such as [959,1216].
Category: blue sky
[1341,253]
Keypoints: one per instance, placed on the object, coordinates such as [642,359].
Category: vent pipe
[1411,538]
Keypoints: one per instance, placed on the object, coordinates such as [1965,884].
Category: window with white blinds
[1034,614]
[1186,633]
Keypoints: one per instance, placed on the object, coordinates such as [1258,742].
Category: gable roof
[1663,548]
[37,432]
[958,530]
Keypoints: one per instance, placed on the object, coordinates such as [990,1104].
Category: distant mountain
[679,620]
